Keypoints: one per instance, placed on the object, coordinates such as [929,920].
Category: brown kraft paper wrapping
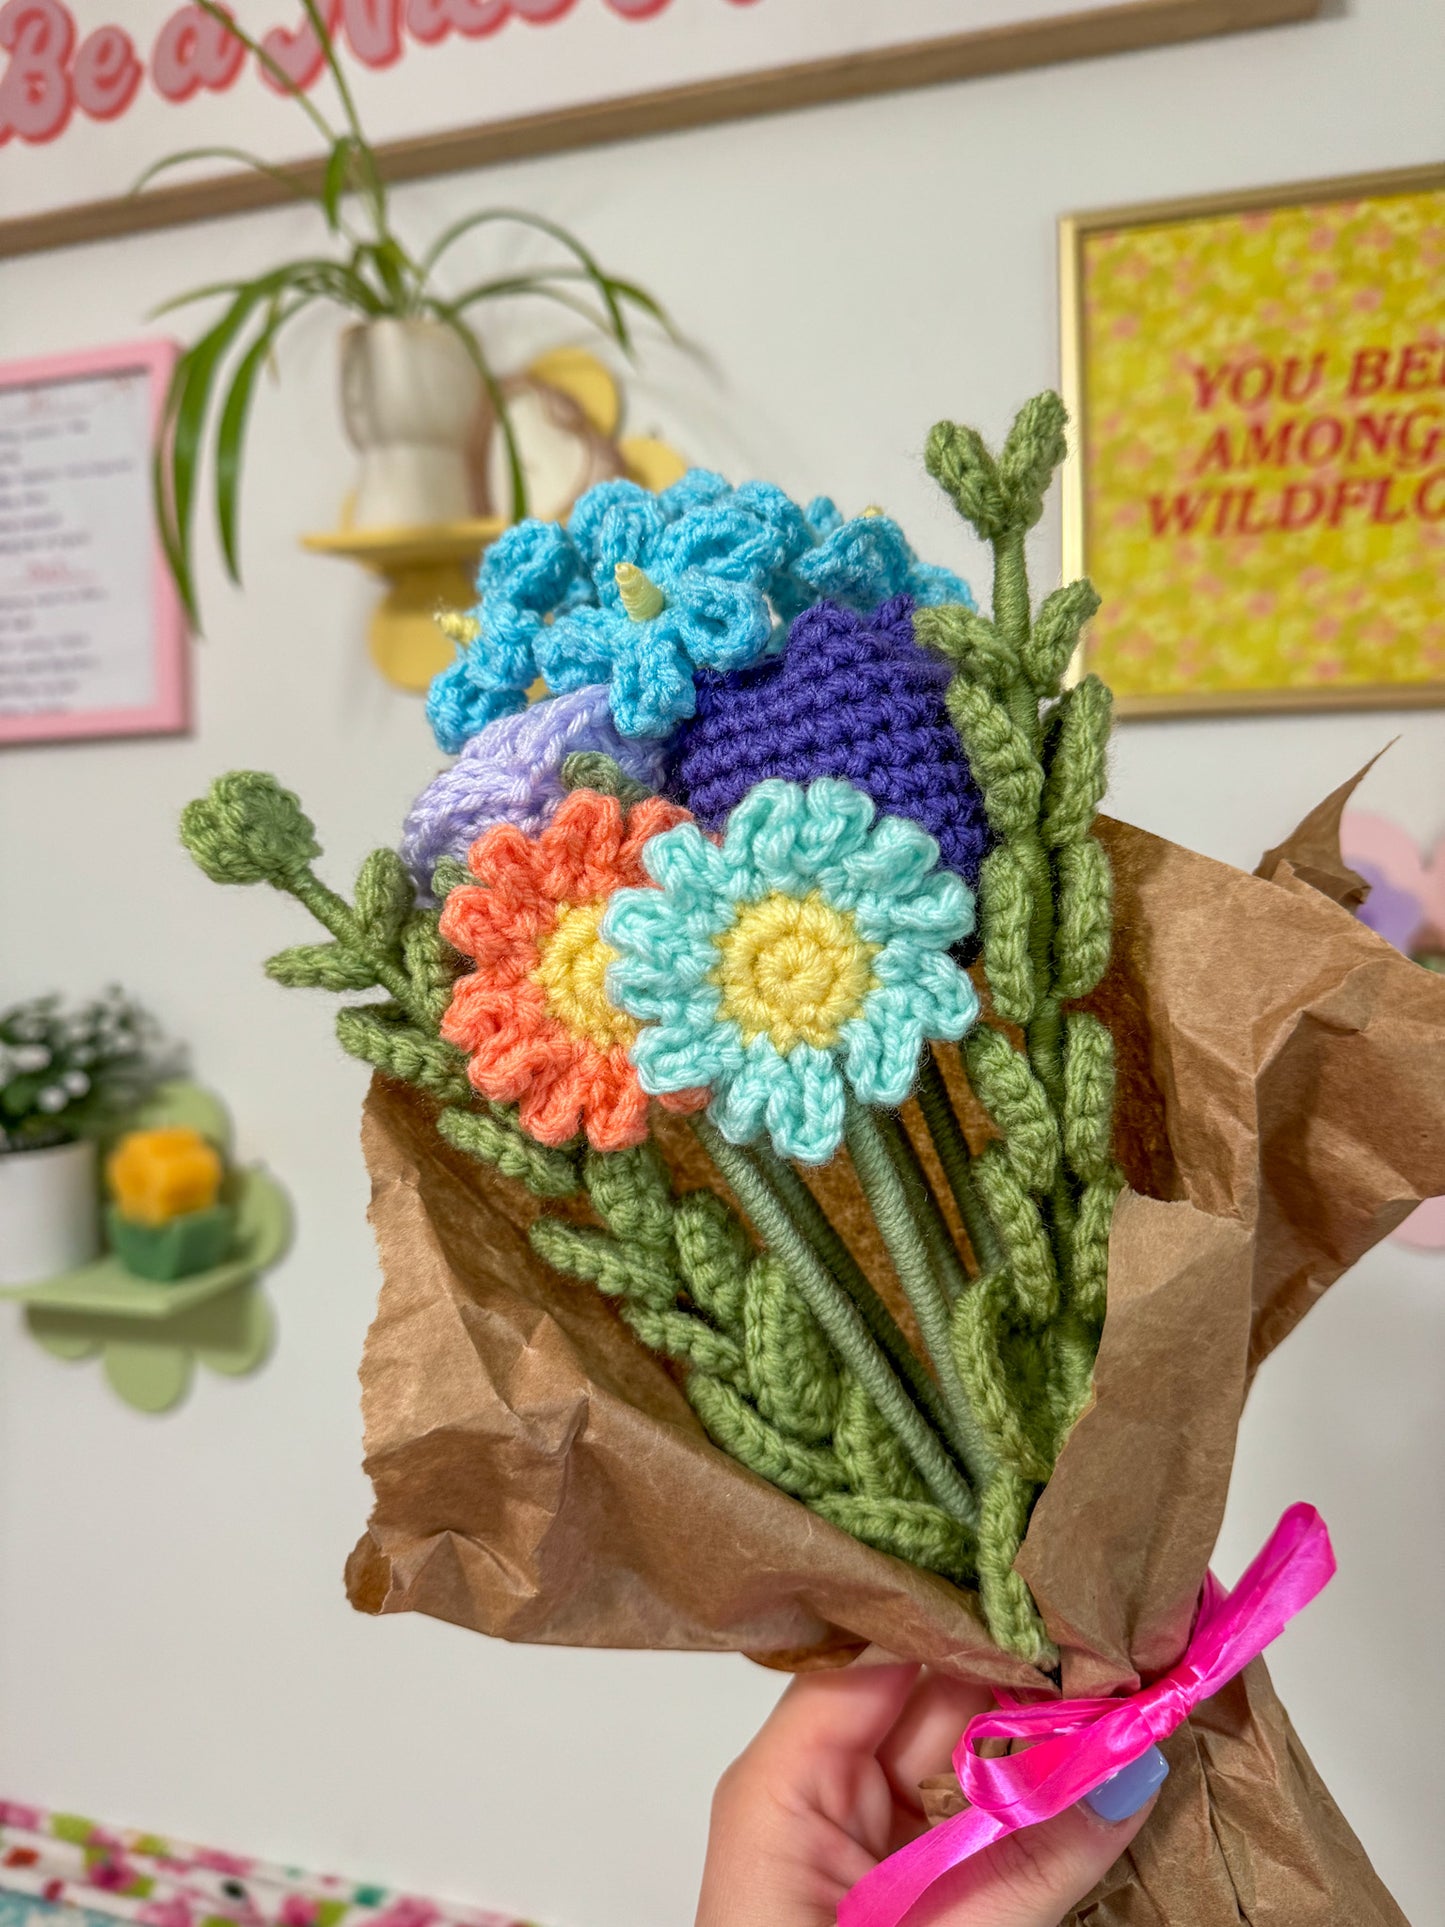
[540,1477]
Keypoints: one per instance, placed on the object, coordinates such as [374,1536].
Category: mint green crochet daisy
[805,956]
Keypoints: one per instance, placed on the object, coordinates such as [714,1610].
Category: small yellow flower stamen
[873,509]
[572,961]
[793,969]
[641,597]
[459,628]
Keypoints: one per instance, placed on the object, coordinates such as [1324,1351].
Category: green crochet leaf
[959,462]
[384,896]
[1078,766]
[1018,1104]
[969,641]
[449,875]
[1055,634]
[1001,757]
[430,962]
[1088,1095]
[1007,900]
[493,1136]
[1032,450]
[321,966]
[377,1034]
[1084,932]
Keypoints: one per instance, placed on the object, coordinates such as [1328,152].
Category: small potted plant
[66,1077]
[419,391]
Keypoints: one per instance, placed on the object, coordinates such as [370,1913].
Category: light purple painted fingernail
[1122,1795]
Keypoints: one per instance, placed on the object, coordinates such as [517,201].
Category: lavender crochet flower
[512,773]
[852,696]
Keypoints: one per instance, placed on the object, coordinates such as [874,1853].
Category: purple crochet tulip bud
[511,772]
[852,696]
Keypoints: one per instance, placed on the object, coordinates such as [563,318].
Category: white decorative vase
[49,1216]
[411,397]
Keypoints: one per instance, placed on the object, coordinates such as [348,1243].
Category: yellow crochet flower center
[793,969]
[572,962]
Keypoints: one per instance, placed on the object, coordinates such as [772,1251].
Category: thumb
[1033,1877]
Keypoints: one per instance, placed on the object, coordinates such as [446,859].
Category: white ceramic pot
[49,1216]
[411,397]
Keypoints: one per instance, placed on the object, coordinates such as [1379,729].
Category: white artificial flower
[30,1057]
[76,1082]
[53,1098]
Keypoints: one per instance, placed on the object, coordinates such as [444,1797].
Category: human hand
[830,1787]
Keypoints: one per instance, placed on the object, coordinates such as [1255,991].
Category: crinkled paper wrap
[540,1477]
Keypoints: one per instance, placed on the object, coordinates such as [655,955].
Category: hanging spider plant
[371,274]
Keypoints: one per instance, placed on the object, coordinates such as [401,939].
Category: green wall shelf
[148,1336]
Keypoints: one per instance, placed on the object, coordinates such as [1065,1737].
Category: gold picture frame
[1137,301]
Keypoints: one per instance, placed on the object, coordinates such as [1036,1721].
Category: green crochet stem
[1025,1333]
[767,1385]
[334,913]
[955,1158]
[842,1322]
[932,1224]
[808,1220]
[895,1214]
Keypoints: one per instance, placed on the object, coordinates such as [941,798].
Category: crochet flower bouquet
[781,1072]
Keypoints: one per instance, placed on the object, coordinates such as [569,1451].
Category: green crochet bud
[249,830]
[594,769]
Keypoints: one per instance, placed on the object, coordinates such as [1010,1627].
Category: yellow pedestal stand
[426,570]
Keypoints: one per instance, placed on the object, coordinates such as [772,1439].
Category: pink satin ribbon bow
[1082,1743]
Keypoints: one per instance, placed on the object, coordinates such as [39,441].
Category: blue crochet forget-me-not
[672,595]
[805,956]
[641,590]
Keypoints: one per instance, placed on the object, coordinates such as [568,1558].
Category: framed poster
[92,92]
[1257,487]
[92,639]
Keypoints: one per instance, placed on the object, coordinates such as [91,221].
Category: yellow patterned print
[1265,397]
[793,969]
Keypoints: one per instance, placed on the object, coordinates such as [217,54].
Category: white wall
[175,1649]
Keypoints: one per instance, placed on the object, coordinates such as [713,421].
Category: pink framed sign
[92,637]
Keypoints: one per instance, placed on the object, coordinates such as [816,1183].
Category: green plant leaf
[365,156]
[535,287]
[278,73]
[601,281]
[473,346]
[188,400]
[231,430]
[284,176]
[336,181]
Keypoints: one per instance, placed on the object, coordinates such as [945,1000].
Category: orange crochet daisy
[533,1016]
